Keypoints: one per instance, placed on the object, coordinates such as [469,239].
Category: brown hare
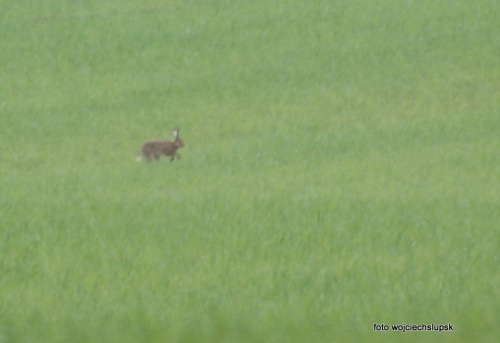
[156,148]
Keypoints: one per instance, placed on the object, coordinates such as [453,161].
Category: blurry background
[340,169]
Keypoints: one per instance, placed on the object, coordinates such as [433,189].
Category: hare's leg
[152,155]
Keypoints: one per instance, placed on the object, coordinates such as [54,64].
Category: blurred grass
[340,170]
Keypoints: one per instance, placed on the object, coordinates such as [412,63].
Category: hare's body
[157,148]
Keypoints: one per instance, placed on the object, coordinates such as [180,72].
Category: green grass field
[341,169]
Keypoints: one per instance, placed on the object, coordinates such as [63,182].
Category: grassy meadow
[341,169]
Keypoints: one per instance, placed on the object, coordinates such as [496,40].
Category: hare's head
[178,141]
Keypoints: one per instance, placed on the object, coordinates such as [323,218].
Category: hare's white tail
[139,157]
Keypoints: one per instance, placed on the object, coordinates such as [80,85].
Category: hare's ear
[176,133]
